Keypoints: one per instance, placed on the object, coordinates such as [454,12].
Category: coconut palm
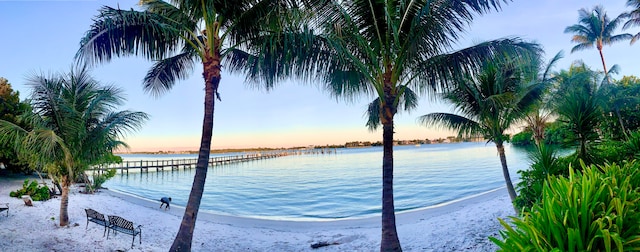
[384,48]
[489,103]
[634,18]
[72,126]
[177,36]
[595,28]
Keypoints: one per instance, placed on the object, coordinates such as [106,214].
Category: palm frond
[441,71]
[373,115]
[116,32]
[463,125]
[165,72]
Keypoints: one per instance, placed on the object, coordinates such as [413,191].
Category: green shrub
[523,138]
[545,163]
[99,179]
[597,209]
[610,152]
[632,145]
[37,193]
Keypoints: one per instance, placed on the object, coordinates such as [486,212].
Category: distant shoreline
[355,144]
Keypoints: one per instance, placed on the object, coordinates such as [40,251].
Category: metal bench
[124,226]
[97,218]
[5,208]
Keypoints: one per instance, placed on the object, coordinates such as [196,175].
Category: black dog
[165,200]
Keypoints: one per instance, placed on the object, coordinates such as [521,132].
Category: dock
[144,166]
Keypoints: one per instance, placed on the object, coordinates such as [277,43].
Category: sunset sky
[43,36]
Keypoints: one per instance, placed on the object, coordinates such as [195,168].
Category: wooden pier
[177,164]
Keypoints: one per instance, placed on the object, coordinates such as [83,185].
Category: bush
[545,163]
[522,138]
[37,193]
[597,209]
[99,179]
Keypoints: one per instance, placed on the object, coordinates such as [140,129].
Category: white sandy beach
[460,226]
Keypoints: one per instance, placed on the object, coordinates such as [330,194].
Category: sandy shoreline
[463,225]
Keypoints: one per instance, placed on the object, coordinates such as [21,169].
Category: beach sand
[459,226]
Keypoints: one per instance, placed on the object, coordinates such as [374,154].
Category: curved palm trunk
[212,77]
[603,64]
[64,201]
[507,177]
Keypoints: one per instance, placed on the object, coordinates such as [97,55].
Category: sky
[41,37]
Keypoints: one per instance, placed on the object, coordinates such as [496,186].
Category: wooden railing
[176,164]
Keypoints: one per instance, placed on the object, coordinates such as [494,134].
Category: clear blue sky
[43,36]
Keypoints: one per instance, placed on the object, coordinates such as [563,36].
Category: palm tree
[540,114]
[488,104]
[178,35]
[72,127]
[577,102]
[634,18]
[595,29]
[384,48]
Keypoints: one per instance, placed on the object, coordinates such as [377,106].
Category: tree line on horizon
[392,51]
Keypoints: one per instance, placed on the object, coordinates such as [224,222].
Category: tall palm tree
[595,28]
[176,36]
[72,126]
[489,103]
[634,18]
[384,48]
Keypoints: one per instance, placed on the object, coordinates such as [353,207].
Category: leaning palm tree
[634,18]
[595,28]
[489,103]
[177,36]
[72,126]
[382,49]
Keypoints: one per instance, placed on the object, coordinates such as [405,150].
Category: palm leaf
[165,72]
[463,125]
[118,32]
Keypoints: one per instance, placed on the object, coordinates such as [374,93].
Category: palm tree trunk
[390,241]
[212,77]
[624,130]
[507,177]
[603,64]
[64,201]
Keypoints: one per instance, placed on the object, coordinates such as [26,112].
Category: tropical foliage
[544,163]
[577,103]
[489,103]
[31,188]
[72,126]
[177,36]
[597,209]
[10,110]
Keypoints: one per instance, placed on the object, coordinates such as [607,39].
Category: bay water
[346,183]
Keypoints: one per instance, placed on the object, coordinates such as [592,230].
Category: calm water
[345,184]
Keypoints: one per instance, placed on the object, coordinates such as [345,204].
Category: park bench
[97,218]
[5,207]
[124,226]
